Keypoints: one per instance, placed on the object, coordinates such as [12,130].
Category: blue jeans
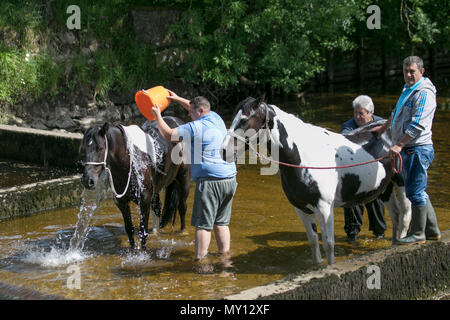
[416,161]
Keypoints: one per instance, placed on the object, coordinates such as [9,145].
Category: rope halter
[105,166]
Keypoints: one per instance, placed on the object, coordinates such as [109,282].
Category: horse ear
[259,101]
[262,98]
[104,129]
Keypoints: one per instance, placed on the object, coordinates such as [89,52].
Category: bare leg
[202,240]
[222,234]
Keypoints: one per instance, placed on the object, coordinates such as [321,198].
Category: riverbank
[394,273]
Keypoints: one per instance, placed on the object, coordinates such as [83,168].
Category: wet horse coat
[311,190]
[138,182]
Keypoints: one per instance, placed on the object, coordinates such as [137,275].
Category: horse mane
[93,132]
[364,134]
[247,102]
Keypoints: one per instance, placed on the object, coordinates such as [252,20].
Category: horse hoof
[131,249]
[183,232]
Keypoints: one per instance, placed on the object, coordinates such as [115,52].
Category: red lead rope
[397,171]
[393,162]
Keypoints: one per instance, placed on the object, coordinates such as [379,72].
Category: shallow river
[268,239]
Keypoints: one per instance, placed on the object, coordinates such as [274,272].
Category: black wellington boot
[417,230]
[431,228]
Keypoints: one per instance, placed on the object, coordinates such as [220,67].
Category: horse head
[251,115]
[94,151]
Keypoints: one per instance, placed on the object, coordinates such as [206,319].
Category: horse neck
[286,130]
[117,148]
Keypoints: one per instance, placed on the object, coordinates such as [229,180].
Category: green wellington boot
[417,230]
[431,229]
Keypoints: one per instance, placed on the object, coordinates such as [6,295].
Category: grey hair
[364,102]
[413,59]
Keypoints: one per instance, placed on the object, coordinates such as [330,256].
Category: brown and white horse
[136,174]
[300,148]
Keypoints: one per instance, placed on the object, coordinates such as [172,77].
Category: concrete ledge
[406,272]
[43,147]
[33,198]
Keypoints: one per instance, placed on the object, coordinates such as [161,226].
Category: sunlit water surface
[268,239]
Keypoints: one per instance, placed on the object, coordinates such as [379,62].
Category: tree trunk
[359,64]
[432,63]
[383,67]
[330,71]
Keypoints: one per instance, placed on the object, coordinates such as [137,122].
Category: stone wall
[33,198]
[42,147]
[46,148]
[406,272]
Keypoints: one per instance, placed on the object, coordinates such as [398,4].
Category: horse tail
[170,204]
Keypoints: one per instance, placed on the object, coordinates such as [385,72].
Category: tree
[281,42]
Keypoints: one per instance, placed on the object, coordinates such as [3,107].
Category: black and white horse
[311,190]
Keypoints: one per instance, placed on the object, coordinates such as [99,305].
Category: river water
[268,240]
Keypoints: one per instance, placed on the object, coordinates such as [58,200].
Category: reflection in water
[268,241]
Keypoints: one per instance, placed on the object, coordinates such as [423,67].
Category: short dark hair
[200,101]
[413,59]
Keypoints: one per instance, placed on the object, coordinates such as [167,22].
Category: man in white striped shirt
[410,124]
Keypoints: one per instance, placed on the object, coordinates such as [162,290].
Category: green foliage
[29,50]
[23,74]
[283,42]
[121,64]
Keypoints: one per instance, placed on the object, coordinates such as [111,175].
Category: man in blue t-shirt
[215,178]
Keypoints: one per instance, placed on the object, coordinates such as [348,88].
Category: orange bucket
[146,99]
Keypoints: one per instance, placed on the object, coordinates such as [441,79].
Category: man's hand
[156,111]
[173,95]
[379,130]
[394,151]
[185,103]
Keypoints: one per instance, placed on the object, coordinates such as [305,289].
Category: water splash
[175,243]
[89,203]
[57,254]
[155,149]
[136,259]
[56,257]
[164,252]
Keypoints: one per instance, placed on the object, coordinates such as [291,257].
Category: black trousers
[354,216]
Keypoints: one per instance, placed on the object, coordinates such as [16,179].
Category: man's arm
[166,131]
[397,148]
[422,112]
[185,103]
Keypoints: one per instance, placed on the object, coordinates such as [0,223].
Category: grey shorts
[212,202]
